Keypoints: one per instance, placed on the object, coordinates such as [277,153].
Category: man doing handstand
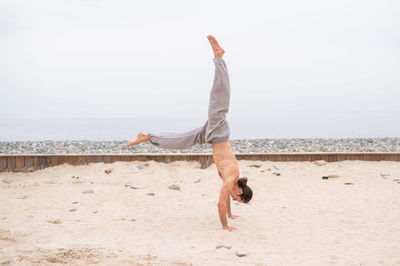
[215,131]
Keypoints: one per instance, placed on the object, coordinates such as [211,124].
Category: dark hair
[247,192]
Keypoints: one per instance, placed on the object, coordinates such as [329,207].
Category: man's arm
[223,206]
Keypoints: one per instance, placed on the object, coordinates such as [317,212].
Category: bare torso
[225,161]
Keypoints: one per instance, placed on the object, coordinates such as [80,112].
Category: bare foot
[218,51]
[139,139]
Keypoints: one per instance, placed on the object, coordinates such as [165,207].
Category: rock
[324,177]
[320,162]
[89,191]
[7,180]
[94,212]
[139,167]
[75,202]
[150,194]
[241,254]
[384,175]
[73,210]
[269,169]
[127,185]
[348,183]
[333,176]
[277,174]
[57,221]
[254,165]
[108,171]
[175,187]
[76,177]
[132,220]
[223,246]
[197,181]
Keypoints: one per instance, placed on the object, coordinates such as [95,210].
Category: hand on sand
[233,216]
[218,51]
[230,228]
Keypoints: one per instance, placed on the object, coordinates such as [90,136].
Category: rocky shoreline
[291,145]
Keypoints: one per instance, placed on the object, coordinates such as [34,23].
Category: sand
[295,218]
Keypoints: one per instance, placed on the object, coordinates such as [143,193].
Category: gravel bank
[238,146]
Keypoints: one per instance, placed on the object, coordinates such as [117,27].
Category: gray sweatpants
[216,129]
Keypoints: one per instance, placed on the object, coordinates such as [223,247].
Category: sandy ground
[296,218]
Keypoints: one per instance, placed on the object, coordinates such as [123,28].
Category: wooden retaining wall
[33,162]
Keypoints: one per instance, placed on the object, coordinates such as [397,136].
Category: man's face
[235,194]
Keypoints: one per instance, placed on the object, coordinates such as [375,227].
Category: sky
[114,58]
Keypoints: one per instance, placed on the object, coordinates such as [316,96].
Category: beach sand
[295,218]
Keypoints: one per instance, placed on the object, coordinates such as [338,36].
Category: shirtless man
[215,131]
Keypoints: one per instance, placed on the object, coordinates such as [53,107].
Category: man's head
[242,191]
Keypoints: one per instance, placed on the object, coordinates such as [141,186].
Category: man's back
[225,160]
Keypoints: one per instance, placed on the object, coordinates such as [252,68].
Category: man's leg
[218,128]
[173,140]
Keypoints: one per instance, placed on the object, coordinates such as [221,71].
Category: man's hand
[229,228]
[233,216]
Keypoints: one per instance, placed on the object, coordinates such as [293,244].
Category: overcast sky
[114,58]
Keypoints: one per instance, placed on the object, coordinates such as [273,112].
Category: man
[215,131]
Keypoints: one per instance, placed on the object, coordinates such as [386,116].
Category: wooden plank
[3,164]
[19,163]
[11,163]
[28,164]
[332,158]
[280,158]
[55,160]
[306,158]
[35,163]
[124,158]
[63,159]
[341,157]
[159,158]
[359,157]
[290,158]
[71,159]
[80,160]
[107,159]
[316,157]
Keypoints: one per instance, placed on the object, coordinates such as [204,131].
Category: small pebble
[254,165]
[275,167]
[197,181]
[324,177]
[320,162]
[73,210]
[132,220]
[240,254]
[89,191]
[277,174]
[223,246]
[150,194]
[75,202]
[348,183]
[333,176]
[139,167]
[133,187]
[175,187]
[108,171]
[94,212]
[384,175]
[7,181]
[126,185]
